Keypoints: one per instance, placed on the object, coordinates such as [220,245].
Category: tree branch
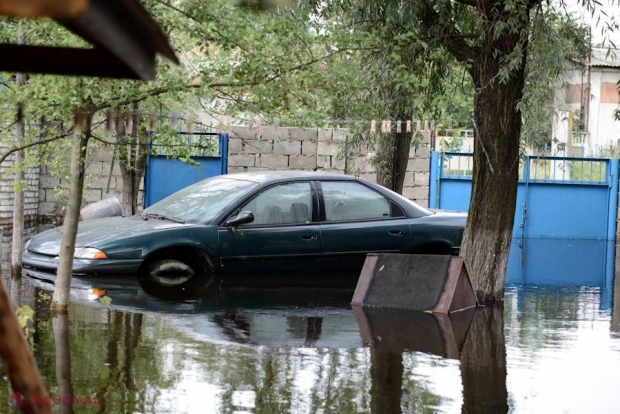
[449,36]
[4,155]
[215,85]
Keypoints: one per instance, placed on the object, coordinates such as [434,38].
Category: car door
[356,220]
[284,237]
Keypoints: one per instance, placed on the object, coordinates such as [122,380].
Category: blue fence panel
[566,212]
[165,176]
[558,262]
[568,198]
[565,217]
[454,194]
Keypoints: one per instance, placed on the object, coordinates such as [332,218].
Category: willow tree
[490,40]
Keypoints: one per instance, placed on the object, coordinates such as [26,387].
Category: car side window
[348,200]
[289,203]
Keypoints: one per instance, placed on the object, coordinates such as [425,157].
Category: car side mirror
[243,217]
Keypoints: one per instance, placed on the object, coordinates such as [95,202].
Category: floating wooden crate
[429,283]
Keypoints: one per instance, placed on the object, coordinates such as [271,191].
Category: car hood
[93,233]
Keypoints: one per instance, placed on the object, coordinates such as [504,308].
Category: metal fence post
[433,185]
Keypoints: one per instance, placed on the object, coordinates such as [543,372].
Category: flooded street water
[554,347]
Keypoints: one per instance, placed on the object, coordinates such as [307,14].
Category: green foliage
[106,300]
[557,41]
[25,316]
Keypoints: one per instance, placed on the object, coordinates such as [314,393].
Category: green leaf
[106,300]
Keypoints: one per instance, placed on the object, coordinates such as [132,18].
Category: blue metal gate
[565,217]
[166,174]
[557,197]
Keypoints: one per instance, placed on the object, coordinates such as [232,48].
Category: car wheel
[170,272]
[175,278]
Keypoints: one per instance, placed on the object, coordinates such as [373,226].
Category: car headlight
[89,253]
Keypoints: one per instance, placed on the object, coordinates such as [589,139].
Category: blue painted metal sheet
[566,212]
[164,176]
[564,262]
[565,218]
[563,198]
[559,263]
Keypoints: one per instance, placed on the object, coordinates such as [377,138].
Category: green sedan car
[261,223]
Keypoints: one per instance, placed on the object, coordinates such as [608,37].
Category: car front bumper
[103,270]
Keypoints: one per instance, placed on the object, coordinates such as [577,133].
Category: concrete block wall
[311,149]
[31,205]
[316,149]
[99,173]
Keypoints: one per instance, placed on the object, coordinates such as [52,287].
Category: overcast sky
[609,12]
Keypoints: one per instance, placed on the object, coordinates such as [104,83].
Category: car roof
[271,176]
[266,178]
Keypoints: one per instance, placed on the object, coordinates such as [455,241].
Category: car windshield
[200,202]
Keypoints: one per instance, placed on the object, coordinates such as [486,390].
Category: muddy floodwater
[552,348]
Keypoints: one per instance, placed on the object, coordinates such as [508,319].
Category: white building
[585,103]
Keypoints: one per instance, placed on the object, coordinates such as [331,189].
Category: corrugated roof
[606,57]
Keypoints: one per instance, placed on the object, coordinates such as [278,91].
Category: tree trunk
[72,213]
[17,240]
[386,390]
[60,324]
[132,160]
[483,363]
[393,153]
[128,191]
[486,242]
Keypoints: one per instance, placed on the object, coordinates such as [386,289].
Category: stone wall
[103,180]
[7,193]
[319,150]
[249,150]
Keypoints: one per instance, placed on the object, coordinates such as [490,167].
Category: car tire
[172,277]
[170,272]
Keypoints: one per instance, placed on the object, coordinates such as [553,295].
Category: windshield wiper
[161,217]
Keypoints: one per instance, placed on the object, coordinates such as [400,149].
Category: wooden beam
[118,27]
[64,61]
[56,9]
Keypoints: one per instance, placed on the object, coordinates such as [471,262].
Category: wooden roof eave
[125,30]
[125,37]
[61,9]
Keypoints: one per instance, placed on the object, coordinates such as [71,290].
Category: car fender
[202,237]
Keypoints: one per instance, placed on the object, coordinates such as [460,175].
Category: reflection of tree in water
[135,363]
[110,358]
[310,379]
[62,348]
[483,364]
[548,315]
[416,397]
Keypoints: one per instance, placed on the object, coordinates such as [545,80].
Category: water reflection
[563,263]
[549,349]
[62,346]
[483,364]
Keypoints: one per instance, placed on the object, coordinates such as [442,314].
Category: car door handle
[395,232]
[308,236]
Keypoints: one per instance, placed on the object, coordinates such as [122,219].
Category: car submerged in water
[260,223]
